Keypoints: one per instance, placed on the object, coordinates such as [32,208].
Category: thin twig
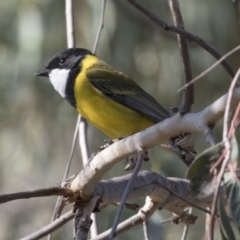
[101,26]
[50,227]
[72,149]
[145,230]
[188,95]
[70,23]
[82,134]
[207,225]
[234,123]
[143,215]
[59,203]
[228,105]
[83,125]
[125,195]
[131,222]
[185,230]
[54,191]
[71,43]
[167,220]
[188,35]
[227,156]
[209,69]
[184,199]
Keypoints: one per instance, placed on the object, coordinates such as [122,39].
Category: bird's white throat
[58,78]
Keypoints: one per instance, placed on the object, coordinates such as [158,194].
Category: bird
[109,99]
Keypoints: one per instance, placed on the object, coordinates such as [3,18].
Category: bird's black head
[63,69]
[66,59]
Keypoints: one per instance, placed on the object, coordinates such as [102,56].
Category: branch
[101,26]
[185,230]
[167,193]
[209,136]
[71,43]
[143,215]
[188,35]
[94,228]
[83,123]
[145,230]
[188,96]
[54,191]
[154,186]
[146,184]
[125,195]
[83,221]
[70,24]
[50,227]
[189,123]
[227,155]
[83,142]
[210,68]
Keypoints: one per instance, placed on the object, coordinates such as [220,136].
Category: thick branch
[152,185]
[189,123]
[161,192]
[147,184]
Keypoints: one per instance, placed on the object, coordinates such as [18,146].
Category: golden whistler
[110,100]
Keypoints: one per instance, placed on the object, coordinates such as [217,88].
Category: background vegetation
[36,124]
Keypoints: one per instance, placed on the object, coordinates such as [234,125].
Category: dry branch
[188,96]
[189,123]
[50,227]
[54,191]
[156,188]
[191,37]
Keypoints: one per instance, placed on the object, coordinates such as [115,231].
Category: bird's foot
[186,156]
[132,160]
[104,145]
[108,142]
[172,111]
[92,156]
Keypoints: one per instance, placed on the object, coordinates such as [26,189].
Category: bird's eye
[62,61]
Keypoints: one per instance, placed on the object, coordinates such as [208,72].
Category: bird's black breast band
[70,85]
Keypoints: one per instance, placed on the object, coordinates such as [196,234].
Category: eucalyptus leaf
[226,228]
[234,202]
[223,235]
[201,184]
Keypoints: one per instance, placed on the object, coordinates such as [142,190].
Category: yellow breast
[112,118]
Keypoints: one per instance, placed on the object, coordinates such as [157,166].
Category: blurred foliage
[36,125]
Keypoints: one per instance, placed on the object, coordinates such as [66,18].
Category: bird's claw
[132,160]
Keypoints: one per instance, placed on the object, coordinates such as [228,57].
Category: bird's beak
[42,73]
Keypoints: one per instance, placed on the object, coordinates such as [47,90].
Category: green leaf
[226,228]
[234,202]
[222,235]
[201,184]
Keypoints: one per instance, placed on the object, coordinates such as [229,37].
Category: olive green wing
[125,91]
